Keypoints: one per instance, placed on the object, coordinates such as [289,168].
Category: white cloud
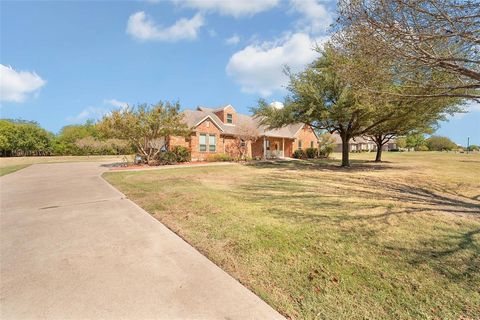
[116,103]
[89,113]
[315,16]
[144,28]
[233,40]
[258,68]
[277,104]
[235,8]
[15,85]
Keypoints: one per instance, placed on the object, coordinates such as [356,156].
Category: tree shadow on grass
[456,256]
[322,165]
[413,197]
[349,211]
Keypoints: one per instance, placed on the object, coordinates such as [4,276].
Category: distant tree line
[418,142]
[28,138]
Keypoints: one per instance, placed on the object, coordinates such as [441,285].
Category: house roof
[356,140]
[193,117]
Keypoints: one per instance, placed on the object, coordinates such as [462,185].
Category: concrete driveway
[72,247]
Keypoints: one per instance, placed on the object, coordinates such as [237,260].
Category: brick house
[221,131]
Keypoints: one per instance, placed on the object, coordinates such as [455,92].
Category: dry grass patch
[394,240]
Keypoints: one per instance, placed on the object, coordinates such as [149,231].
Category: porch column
[283,147]
[264,148]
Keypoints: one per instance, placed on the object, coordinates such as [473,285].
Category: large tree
[410,116]
[320,98]
[430,45]
[145,125]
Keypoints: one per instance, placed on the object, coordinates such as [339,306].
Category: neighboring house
[359,144]
[221,130]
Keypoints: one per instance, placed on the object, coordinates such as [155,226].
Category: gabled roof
[195,117]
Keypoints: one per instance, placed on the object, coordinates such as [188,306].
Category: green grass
[10,169]
[396,240]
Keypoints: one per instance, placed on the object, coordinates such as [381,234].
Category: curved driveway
[72,247]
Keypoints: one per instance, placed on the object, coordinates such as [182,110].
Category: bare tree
[244,134]
[431,45]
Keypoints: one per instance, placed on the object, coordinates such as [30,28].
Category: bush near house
[182,154]
[218,157]
[178,154]
[311,153]
[299,154]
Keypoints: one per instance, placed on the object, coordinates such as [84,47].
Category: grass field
[396,240]
[12,164]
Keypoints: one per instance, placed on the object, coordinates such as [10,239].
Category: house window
[212,143]
[229,118]
[209,139]
[203,142]
[242,143]
[299,144]
[268,145]
[311,144]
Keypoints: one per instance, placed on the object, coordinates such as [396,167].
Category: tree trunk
[378,157]
[345,151]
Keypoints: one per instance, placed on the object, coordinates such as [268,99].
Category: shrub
[167,157]
[299,154]
[326,150]
[218,157]
[182,154]
[422,148]
[311,153]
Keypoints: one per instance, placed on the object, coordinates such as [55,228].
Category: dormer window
[229,118]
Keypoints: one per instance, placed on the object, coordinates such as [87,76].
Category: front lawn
[395,240]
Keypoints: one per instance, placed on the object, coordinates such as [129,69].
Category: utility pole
[468,144]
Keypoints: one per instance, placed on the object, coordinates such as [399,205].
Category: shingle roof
[356,140]
[193,117]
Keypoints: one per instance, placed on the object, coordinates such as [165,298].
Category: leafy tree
[23,138]
[325,144]
[473,147]
[320,98]
[401,142]
[65,142]
[8,137]
[409,117]
[416,141]
[143,126]
[437,143]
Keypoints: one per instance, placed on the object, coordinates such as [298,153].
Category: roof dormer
[227,114]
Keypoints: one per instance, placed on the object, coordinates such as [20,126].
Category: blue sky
[66,62]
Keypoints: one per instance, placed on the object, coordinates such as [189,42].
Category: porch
[272,147]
